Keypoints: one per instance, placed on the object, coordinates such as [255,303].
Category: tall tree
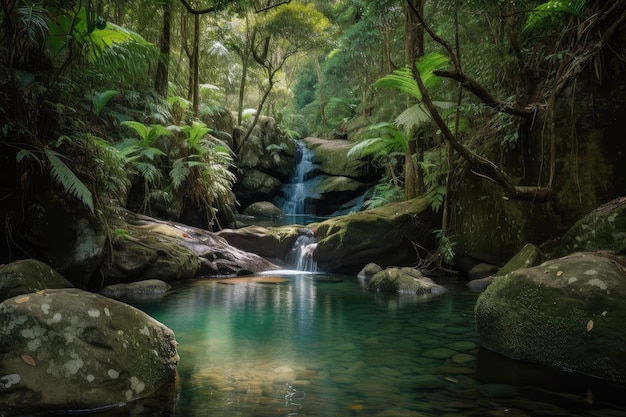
[279,35]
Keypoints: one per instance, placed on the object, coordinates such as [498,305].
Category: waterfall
[301,254]
[298,197]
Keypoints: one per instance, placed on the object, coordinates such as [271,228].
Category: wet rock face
[567,313]
[70,350]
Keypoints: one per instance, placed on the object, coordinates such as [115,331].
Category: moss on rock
[73,350]
[566,313]
[29,275]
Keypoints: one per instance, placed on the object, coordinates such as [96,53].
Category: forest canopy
[146,104]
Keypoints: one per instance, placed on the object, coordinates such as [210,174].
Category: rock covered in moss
[527,257]
[73,350]
[383,235]
[404,280]
[263,209]
[29,275]
[567,313]
[602,229]
[369,271]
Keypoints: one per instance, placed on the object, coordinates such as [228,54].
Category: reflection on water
[319,345]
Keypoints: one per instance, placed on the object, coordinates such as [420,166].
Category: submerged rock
[29,275]
[568,313]
[149,288]
[73,350]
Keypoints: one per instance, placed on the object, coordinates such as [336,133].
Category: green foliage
[387,139]
[550,12]
[100,99]
[446,246]
[402,79]
[64,176]
[385,192]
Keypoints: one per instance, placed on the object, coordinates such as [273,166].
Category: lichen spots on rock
[94,313]
[596,282]
[113,374]
[7,381]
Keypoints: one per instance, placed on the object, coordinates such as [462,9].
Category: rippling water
[319,345]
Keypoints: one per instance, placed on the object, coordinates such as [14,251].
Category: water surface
[319,345]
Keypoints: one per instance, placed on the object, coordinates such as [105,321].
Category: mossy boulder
[145,253]
[73,350]
[384,235]
[404,280]
[568,313]
[182,252]
[263,209]
[602,229]
[368,271]
[29,275]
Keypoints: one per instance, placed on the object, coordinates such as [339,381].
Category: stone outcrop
[154,249]
[73,350]
[268,242]
[566,313]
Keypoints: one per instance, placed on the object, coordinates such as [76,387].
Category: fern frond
[179,173]
[414,116]
[149,172]
[65,177]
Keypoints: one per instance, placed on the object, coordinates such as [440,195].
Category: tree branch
[191,10]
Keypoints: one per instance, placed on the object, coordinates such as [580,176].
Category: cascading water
[299,196]
[301,254]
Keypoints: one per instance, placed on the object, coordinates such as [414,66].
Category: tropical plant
[550,12]
[142,157]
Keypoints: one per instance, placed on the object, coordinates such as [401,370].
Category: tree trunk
[414,49]
[162,75]
[195,83]
[322,99]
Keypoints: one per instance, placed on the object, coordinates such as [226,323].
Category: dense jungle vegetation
[143,104]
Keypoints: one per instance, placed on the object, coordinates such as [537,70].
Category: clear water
[319,345]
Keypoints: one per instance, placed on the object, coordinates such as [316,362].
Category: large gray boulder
[567,313]
[29,275]
[73,350]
